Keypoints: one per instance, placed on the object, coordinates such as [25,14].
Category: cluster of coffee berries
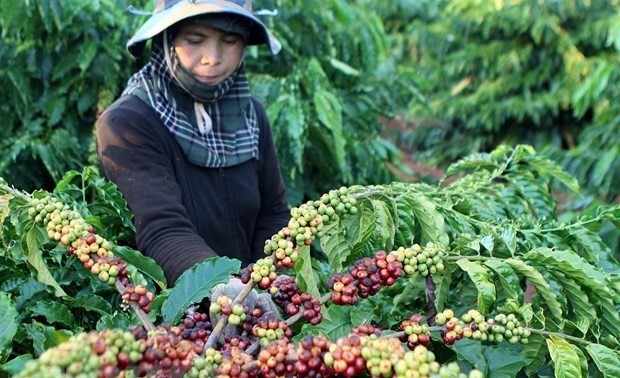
[236,314]
[308,305]
[232,365]
[367,330]
[277,359]
[415,332]
[204,367]
[238,341]
[344,289]
[138,294]
[72,357]
[382,355]
[262,273]
[498,329]
[196,327]
[104,354]
[69,227]
[425,260]
[269,328]
[283,289]
[339,201]
[251,320]
[365,278]
[345,356]
[167,353]
[310,357]
[283,250]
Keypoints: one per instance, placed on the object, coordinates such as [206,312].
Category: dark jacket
[184,213]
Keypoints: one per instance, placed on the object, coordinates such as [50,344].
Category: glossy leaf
[195,284]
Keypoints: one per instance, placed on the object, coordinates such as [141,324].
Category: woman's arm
[135,153]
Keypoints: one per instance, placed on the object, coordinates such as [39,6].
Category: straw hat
[169,12]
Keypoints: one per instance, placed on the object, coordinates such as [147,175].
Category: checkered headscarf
[217,127]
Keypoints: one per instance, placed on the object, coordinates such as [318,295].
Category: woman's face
[209,54]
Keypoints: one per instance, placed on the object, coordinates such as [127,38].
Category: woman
[188,146]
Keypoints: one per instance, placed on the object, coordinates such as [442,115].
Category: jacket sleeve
[138,160]
[274,212]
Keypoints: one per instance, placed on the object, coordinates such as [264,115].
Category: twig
[430,291]
[14,192]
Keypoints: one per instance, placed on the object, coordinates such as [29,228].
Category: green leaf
[386,218]
[566,361]
[541,285]
[334,244]
[587,275]
[195,284]
[53,312]
[429,219]
[35,258]
[8,322]
[143,263]
[93,303]
[359,228]
[119,320]
[329,112]
[506,280]
[339,325]
[606,360]
[16,365]
[306,279]
[548,168]
[480,276]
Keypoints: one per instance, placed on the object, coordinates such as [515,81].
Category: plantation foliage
[540,72]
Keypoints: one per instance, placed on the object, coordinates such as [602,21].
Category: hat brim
[184,9]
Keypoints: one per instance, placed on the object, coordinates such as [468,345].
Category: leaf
[143,263]
[506,280]
[8,321]
[35,258]
[386,218]
[429,219]
[405,229]
[53,312]
[93,303]
[541,285]
[195,284]
[587,275]
[546,167]
[329,112]
[120,320]
[480,276]
[16,365]
[109,193]
[306,279]
[339,325]
[359,228]
[565,359]
[606,360]
[334,244]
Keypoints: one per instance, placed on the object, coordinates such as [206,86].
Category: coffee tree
[475,276]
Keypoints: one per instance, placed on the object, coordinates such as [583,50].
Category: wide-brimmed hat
[169,12]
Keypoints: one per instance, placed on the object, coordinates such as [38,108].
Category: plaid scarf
[215,125]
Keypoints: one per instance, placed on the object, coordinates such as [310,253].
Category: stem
[14,192]
[219,327]
[146,322]
[562,335]
[430,291]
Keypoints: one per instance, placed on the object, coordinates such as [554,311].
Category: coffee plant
[475,276]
